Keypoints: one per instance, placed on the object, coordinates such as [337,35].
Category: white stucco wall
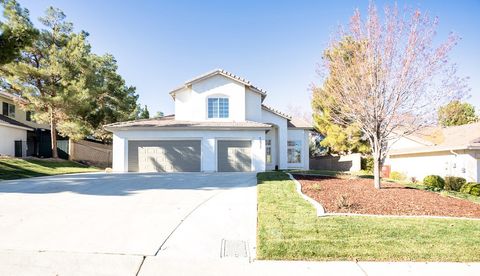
[208,141]
[281,124]
[300,135]
[8,137]
[253,106]
[191,103]
[463,163]
[120,151]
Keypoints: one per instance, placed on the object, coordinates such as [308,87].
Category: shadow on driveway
[127,183]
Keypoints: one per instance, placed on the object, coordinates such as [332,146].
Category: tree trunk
[53,134]
[377,164]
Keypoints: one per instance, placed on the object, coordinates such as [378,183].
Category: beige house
[450,151]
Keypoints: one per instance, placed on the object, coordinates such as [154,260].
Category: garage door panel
[234,156]
[164,156]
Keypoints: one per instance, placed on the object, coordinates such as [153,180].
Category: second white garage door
[164,156]
[234,156]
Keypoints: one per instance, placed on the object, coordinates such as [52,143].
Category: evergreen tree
[456,113]
[144,114]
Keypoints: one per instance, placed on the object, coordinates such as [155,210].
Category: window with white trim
[218,108]
[8,110]
[294,151]
[268,151]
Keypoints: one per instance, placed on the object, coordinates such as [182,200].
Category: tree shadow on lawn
[11,171]
[121,184]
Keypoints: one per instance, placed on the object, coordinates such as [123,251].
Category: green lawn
[13,168]
[288,229]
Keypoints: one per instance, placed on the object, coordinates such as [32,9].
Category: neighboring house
[20,135]
[450,151]
[220,124]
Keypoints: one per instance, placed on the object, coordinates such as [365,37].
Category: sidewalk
[164,266]
[26,263]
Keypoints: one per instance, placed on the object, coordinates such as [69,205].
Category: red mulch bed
[338,195]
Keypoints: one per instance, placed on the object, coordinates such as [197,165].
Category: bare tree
[386,75]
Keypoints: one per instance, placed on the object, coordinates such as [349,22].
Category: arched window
[218,107]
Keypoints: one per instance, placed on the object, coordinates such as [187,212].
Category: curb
[321,211]
[318,206]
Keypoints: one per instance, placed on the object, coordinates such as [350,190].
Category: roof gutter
[113,129]
[436,149]
[14,126]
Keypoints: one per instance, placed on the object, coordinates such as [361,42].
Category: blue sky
[274,44]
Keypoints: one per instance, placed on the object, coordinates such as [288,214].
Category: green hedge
[471,188]
[434,181]
[454,183]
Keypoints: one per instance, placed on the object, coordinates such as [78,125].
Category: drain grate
[234,249]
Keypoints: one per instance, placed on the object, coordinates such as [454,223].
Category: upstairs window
[218,108]
[28,116]
[8,110]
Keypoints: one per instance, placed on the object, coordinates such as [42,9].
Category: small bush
[471,188]
[453,183]
[367,164]
[434,181]
[343,202]
[467,187]
[475,190]
[398,176]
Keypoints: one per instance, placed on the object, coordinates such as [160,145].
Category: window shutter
[5,109]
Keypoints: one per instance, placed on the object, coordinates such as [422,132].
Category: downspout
[456,154]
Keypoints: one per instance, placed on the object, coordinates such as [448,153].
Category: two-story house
[20,134]
[220,124]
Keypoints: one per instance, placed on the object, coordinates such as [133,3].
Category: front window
[294,151]
[8,110]
[218,108]
[268,151]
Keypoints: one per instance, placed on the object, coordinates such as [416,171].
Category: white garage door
[234,156]
[164,156]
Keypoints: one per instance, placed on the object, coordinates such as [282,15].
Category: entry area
[234,155]
[164,156]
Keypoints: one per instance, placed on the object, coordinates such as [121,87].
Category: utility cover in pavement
[234,249]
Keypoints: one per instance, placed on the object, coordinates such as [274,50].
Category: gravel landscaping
[339,195]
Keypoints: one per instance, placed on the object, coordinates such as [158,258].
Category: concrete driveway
[117,220]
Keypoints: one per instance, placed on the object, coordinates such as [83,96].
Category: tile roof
[5,120]
[170,122]
[299,123]
[11,96]
[446,138]
[274,111]
[227,74]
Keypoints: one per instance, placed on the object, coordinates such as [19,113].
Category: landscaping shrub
[475,190]
[471,188]
[398,176]
[453,183]
[434,181]
[367,164]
